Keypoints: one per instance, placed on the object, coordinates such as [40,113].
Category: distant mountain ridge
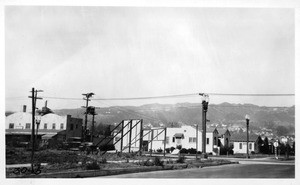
[191,113]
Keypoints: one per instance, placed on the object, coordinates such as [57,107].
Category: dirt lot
[63,160]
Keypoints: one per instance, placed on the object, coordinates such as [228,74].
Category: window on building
[61,126]
[250,146]
[45,125]
[11,125]
[241,145]
[192,139]
[53,126]
[207,141]
[215,141]
[71,127]
[27,125]
[167,140]
[173,139]
[76,126]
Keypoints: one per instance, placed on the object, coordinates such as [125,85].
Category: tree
[282,130]
[265,147]
[269,124]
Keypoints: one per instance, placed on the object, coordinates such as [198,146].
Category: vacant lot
[64,160]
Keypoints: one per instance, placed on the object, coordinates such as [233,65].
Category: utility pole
[33,98]
[196,141]
[93,113]
[165,141]
[205,100]
[87,98]
[141,138]
[247,125]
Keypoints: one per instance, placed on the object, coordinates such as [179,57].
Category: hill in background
[191,113]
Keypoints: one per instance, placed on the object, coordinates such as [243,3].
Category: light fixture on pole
[205,100]
[196,125]
[37,121]
[247,117]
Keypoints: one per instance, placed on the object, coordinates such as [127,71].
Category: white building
[239,143]
[184,137]
[51,126]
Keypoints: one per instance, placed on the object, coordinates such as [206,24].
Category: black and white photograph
[149,91]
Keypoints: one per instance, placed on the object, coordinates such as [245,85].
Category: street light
[247,117]
[196,125]
[37,121]
[205,100]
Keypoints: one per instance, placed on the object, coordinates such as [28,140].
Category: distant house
[224,137]
[18,126]
[212,136]
[182,137]
[239,143]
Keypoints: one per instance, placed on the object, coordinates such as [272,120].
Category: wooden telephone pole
[33,98]
[87,98]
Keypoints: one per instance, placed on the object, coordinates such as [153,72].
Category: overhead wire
[172,96]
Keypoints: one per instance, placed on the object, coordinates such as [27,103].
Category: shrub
[103,160]
[192,150]
[180,159]
[179,147]
[205,155]
[147,163]
[168,150]
[159,150]
[158,162]
[172,149]
[107,147]
[252,152]
[183,151]
[92,166]
[199,152]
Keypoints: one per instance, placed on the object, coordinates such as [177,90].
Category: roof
[211,130]
[223,131]
[243,137]
[179,135]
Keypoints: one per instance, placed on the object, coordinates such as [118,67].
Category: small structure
[239,143]
[224,137]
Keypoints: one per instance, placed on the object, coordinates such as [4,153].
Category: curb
[116,171]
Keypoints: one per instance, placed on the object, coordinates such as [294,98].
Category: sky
[120,52]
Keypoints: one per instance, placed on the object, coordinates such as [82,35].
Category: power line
[229,94]
[61,98]
[151,97]
[174,96]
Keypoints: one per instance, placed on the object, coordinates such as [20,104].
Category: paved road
[244,170]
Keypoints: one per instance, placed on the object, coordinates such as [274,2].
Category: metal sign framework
[137,138]
[162,130]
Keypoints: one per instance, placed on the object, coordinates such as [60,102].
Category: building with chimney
[18,127]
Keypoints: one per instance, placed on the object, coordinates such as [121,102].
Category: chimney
[24,108]
[46,103]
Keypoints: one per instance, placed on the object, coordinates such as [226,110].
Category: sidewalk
[22,165]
